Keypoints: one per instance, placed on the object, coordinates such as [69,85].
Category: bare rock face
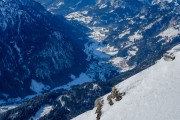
[168,57]
[114,95]
[99,103]
[109,98]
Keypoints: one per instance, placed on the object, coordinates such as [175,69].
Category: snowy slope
[152,94]
[42,112]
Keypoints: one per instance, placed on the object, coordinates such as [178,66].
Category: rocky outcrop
[99,103]
[168,57]
[114,95]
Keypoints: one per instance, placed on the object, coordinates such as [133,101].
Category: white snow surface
[110,50]
[61,101]
[7,107]
[42,112]
[59,4]
[152,94]
[136,36]
[124,33]
[98,33]
[76,81]
[79,16]
[38,87]
[170,33]
[159,1]
[81,79]
[121,63]
[94,50]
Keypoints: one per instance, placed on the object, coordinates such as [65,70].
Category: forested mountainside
[35,49]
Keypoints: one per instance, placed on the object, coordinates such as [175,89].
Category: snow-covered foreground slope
[152,94]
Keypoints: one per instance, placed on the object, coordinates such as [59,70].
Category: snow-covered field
[158,1]
[7,107]
[42,112]
[79,16]
[124,33]
[98,33]
[76,81]
[170,33]
[136,36]
[152,94]
[121,63]
[38,87]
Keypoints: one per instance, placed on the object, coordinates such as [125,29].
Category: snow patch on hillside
[124,33]
[158,1]
[136,36]
[95,87]
[61,101]
[121,63]
[42,112]
[170,33]
[98,33]
[102,6]
[60,4]
[7,107]
[133,51]
[110,50]
[81,79]
[76,81]
[153,23]
[38,87]
[94,51]
[79,16]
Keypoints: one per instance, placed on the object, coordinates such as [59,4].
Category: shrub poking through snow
[99,103]
[114,95]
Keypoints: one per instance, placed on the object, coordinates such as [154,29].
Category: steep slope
[35,49]
[67,104]
[152,94]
